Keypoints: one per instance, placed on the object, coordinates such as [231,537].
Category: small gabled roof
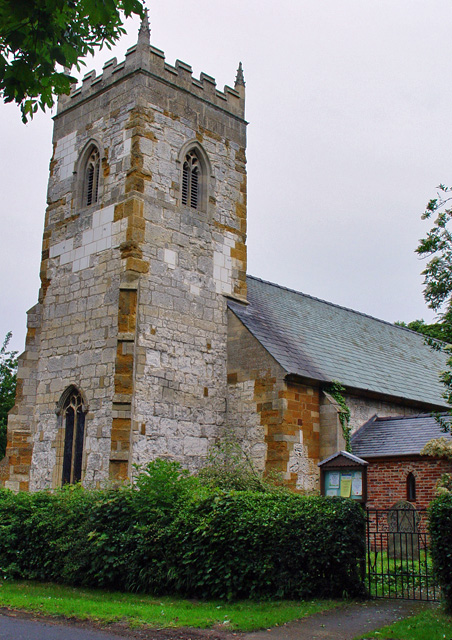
[399,436]
[343,454]
[321,341]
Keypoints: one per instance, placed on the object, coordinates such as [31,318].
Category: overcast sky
[349,110]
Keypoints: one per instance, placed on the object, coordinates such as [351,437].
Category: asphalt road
[12,628]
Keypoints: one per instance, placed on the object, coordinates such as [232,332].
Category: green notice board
[346,483]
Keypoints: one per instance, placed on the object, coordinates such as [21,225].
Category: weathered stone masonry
[277,419]
[132,308]
[288,424]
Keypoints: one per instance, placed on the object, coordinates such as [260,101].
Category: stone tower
[144,241]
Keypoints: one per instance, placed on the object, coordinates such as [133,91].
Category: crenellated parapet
[148,60]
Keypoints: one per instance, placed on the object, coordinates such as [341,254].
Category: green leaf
[38,35]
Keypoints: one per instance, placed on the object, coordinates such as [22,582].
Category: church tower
[144,241]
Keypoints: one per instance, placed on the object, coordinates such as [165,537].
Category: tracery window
[73,417]
[91,178]
[411,488]
[191,174]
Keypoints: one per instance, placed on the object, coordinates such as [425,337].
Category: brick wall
[387,480]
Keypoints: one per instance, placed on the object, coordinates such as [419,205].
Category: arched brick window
[91,177]
[411,488]
[191,180]
[73,417]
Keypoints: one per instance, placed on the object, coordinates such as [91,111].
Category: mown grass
[139,610]
[431,624]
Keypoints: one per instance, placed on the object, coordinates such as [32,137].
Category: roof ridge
[410,417]
[333,304]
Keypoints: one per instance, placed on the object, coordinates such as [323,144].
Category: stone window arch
[411,487]
[194,177]
[191,174]
[72,415]
[89,175]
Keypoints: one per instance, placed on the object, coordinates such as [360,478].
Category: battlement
[147,59]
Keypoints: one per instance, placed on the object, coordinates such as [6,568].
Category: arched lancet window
[91,177]
[73,417]
[411,488]
[191,180]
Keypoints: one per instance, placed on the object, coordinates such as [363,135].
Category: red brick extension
[387,480]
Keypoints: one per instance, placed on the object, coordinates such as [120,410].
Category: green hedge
[170,535]
[440,526]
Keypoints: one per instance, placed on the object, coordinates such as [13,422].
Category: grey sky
[348,104]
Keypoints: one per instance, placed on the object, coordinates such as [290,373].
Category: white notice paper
[357,487]
[334,479]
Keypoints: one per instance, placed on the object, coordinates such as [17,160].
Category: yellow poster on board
[346,486]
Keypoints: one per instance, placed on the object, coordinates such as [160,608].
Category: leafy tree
[8,371]
[436,330]
[41,39]
[437,248]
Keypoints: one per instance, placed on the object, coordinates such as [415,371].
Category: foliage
[440,528]
[437,248]
[444,484]
[228,467]
[336,391]
[39,36]
[438,448]
[8,378]
[167,534]
[162,485]
[436,330]
[137,610]
[248,544]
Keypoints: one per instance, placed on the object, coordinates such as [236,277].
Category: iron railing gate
[398,561]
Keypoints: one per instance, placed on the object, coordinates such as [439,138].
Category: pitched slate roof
[395,436]
[323,341]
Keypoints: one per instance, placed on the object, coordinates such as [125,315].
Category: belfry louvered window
[92,177]
[191,180]
[74,432]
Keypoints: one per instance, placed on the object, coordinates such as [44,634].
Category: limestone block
[195,446]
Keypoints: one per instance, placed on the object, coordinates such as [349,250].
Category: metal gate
[398,561]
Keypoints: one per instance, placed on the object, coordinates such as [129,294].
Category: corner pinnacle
[144,34]
[240,79]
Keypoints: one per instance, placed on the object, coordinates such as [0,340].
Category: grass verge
[139,610]
[431,624]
